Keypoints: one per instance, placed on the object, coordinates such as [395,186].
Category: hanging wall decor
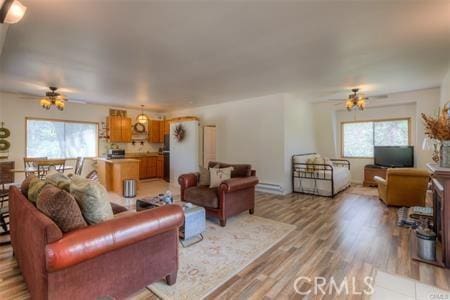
[4,144]
[179,132]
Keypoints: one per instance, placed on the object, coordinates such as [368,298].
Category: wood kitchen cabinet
[154,131]
[166,127]
[151,167]
[157,131]
[119,129]
[160,167]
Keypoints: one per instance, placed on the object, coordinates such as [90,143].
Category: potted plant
[438,129]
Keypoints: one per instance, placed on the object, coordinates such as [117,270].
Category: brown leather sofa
[403,187]
[112,259]
[232,197]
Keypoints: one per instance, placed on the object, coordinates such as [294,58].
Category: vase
[445,154]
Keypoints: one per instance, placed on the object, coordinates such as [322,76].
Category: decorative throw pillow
[322,161]
[309,164]
[58,179]
[61,207]
[91,196]
[204,177]
[36,185]
[25,186]
[218,175]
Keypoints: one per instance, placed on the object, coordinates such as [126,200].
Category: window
[61,139]
[359,138]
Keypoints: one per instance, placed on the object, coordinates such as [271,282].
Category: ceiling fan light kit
[53,98]
[11,11]
[356,101]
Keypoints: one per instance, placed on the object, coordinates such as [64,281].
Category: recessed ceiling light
[12,11]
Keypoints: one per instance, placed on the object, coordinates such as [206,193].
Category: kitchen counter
[112,172]
[116,160]
[144,154]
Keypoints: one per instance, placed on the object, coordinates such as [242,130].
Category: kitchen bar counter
[117,160]
[144,154]
[112,172]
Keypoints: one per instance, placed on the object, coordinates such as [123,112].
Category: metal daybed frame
[315,172]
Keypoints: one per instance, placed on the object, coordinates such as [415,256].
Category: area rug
[362,190]
[223,253]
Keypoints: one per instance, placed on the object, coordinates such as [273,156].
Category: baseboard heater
[269,188]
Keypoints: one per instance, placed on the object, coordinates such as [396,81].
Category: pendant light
[142,118]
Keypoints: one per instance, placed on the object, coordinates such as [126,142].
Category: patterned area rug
[222,254]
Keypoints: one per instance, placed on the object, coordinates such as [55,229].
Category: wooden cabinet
[119,129]
[166,127]
[126,130]
[161,132]
[370,171]
[151,167]
[154,131]
[160,167]
[157,130]
[441,215]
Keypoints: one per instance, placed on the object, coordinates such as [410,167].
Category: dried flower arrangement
[438,128]
[179,132]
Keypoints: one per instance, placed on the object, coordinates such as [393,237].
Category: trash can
[426,244]
[129,188]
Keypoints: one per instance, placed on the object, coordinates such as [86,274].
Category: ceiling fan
[357,100]
[53,97]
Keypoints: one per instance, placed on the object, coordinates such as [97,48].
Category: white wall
[299,135]
[14,109]
[184,154]
[263,132]
[445,88]
[327,119]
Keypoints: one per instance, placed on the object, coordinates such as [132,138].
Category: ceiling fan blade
[378,97]
[75,101]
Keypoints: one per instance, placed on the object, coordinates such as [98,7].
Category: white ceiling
[177,54]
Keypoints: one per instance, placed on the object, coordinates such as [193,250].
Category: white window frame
[62,121]
[373,133]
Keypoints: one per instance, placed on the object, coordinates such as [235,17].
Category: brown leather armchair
[112,259]
[403,187]
[232,197]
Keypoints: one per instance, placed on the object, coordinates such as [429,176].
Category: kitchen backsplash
[129,148]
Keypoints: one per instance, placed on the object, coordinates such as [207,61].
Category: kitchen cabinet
[154,131]
[119,129]
[166,127]
[151,167]
[160,167]
[161,132]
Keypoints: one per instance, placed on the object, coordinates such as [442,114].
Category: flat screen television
[394,156]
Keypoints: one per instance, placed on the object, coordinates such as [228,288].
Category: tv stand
[370,171]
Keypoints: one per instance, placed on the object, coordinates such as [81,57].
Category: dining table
[35,169]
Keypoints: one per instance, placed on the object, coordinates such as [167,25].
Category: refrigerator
[184,155]
[166,154]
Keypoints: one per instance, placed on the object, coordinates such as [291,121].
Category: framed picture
[117,112]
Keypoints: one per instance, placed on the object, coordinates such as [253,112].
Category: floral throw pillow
[217,175]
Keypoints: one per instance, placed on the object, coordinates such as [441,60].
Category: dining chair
[30,163]
[43,166]
[6,178]
[79,166]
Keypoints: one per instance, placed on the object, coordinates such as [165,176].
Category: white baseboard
[270,188]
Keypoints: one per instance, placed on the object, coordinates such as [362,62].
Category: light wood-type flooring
[350,236]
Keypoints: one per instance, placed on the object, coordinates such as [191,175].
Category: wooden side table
[371,171]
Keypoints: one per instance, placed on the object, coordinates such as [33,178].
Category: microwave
[116,153]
